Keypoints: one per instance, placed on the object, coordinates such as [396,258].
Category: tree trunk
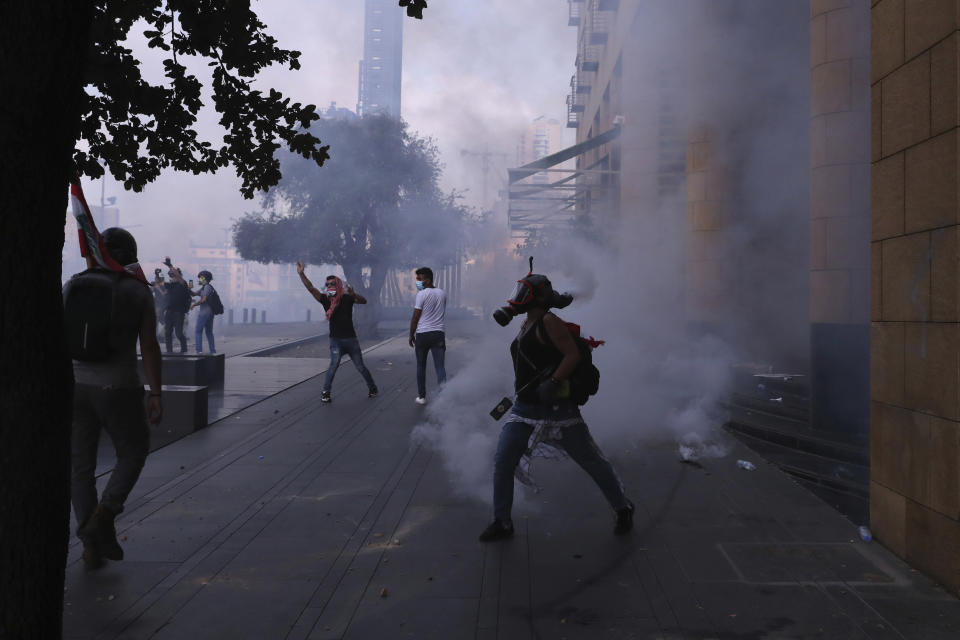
[42,48]
[365,318]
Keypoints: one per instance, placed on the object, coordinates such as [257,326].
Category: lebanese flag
[91,242]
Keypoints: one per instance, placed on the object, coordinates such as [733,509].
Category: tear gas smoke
[664,376]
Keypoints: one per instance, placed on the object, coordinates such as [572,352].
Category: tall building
[380,69]
[540,138]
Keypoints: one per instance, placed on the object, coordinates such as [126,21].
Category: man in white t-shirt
[427,330]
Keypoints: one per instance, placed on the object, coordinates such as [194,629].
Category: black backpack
[585,379]
[88,314]
[213,299]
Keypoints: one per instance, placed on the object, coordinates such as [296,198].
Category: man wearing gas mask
[545,356]
[338,303]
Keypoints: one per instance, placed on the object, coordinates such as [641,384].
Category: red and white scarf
[335,300]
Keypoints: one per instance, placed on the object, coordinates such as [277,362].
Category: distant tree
[67,78]
[375,205]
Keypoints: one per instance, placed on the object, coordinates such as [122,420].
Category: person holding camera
[178,304]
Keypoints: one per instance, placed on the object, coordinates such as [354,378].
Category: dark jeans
[430,341]
[122,414]
[340,347]
[579,445]
[173,321]
[204,323]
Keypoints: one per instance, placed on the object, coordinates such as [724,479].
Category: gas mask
[534,290]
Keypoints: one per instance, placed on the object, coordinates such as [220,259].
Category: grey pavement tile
[587,624]
[917,618]
[766,611]
[399,617]
[669,591]
[803,562]
[235,609]
[426,528]
[870,622]
[92,600]
[421,574]
[272,560]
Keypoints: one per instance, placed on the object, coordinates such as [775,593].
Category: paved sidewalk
[292,519]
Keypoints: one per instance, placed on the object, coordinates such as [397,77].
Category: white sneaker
[420,400]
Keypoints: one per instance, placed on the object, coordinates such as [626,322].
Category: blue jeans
[430,341]
[579,445]
[204,323]
[340,347]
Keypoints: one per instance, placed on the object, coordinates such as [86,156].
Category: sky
[474,73]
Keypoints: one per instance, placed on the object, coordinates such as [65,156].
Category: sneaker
[325,396]
[624,519]
[496,531]
[420,400]
[373,392]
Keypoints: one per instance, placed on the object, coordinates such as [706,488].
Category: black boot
[104,531]
[92,559]
[497,531]
[624,520]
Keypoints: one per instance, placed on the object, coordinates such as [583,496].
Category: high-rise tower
[380,69]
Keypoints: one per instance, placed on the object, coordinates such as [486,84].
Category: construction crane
[484,156]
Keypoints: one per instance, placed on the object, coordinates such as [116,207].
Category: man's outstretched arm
[301,271]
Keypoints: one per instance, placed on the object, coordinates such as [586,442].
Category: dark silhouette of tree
[74,101]
[375,205]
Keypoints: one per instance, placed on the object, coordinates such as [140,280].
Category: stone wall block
[932,374]
[831,191]
[888,197]
[876,290]
[933,544]
[906,278]
[926,23]
[887,37]
[848,33]
[942,468]
[945,275]
[888,518]
[905,108]
[830,296]
[848,241]
[944,70]
[831,88]
[818,243]
[931,184]
[876,129]
[887,368]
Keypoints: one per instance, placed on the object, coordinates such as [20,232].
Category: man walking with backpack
[545,359]
[210,305]
[105,313]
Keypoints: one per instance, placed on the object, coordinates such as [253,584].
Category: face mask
[203,281]
[331,291]
[419,285]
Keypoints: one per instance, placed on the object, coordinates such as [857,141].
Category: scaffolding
[566,194]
